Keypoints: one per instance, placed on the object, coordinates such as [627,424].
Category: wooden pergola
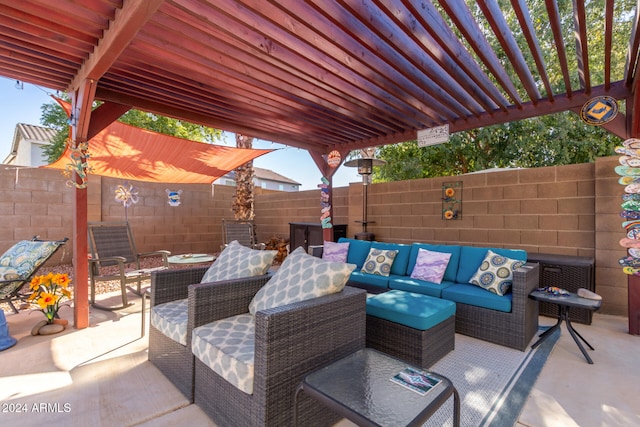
[316,74]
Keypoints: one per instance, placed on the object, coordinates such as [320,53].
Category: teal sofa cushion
[401,260]
[471,257]
[476,296]
[370,279]
[358,251]
[452,268]
[417,311]
[418,286]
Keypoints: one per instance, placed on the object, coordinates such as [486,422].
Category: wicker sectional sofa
[510,320]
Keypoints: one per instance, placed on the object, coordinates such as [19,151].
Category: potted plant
[48,292]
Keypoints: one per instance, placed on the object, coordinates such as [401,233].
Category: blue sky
[23,106]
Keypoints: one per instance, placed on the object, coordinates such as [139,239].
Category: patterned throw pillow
[430,266]
[495,274]
[237,261]
[299,278]
[379,261]
[336,252]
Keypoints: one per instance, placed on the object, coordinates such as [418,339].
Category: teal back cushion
[452,268]
[358,251]
[401,260]
[471,258]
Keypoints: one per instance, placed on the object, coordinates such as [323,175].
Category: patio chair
[20,263]
[242,231]
[111,245]
[279,343]
[173,306]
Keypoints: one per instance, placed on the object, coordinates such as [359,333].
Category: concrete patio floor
[101,376]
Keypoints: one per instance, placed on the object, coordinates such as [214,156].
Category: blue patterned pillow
[495,274]
[379,261]
[299,278]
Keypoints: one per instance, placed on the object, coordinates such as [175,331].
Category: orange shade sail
[127,152]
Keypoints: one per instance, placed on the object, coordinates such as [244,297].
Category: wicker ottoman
[416,328]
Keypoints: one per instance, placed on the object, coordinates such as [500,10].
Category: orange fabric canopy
[128,152]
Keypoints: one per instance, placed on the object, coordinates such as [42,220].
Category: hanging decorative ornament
[126,194]
[333,159]
[79,165]
[174,196]
[599,110]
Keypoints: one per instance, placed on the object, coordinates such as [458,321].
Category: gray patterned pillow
[299,278]
[237,261]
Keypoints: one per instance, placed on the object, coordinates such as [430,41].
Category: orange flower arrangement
[48,292]
[448,214]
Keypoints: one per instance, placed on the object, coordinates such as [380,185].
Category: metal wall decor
[452,200]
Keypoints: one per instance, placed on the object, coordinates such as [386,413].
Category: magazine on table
[419,381]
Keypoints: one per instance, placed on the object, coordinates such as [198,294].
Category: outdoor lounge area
[294,342]
[101,376]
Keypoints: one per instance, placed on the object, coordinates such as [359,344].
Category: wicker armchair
[290,342]
[173,359]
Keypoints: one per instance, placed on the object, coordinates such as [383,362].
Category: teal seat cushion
[418,286]
[370,279]
[417,311]
[476,296]
[452,268]
[471,258]
[401,260]
[358,251]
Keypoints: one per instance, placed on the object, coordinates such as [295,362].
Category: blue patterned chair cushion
[495,274]
[237,261]
[170,318]
[227,347]
[379,261]
[21,260]
[299,278]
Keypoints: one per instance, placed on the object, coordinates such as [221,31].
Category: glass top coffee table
[190,259]
[360,388]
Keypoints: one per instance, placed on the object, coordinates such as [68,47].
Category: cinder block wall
[274,211]
[571,210]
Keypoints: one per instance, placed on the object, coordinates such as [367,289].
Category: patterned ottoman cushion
[227,348]
[170,318]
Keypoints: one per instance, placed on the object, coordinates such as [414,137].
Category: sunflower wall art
[452,200]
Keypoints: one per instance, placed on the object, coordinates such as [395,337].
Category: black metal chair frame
[112,244]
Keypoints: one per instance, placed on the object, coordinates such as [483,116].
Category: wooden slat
[556,28]
[461,16]
[435,36]
[126,25]
[631,66]
[399,57]
[608,40]
[522,12]
[276,44]
[582,50]
[494,16]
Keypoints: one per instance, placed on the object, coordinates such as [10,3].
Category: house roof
[266,174]
[28,132]
[325,75]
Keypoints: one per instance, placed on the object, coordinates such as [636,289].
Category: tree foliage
[54,117]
